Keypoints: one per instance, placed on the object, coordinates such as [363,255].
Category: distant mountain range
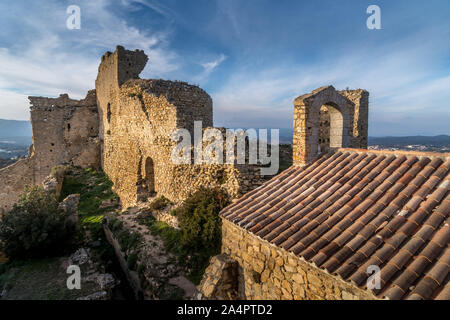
[441,140]
[15,128]
[15,138]
[440,143]
[390,142]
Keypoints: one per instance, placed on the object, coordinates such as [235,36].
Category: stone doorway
[146,181]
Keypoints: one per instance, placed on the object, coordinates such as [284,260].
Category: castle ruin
[64,131]
[125,126]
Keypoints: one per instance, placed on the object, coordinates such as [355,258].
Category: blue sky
[252,56]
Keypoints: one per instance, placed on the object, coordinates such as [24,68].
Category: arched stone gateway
[327,118]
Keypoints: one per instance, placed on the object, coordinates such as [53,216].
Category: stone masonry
[125,126]
[65,131]
[327,118]
[268,272]
[137,120]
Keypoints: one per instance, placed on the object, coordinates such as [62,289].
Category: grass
[192,260]
[43,279]
[94,188]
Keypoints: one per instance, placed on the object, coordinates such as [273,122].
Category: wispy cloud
[400,83]
[56,60]
[153,5]
[271,53]
[208,68]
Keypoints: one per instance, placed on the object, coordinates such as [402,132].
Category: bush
[58,172]
[129,241]
[199,220]
[35,227]
[159,203]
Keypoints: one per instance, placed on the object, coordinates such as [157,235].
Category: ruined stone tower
[137,120]
[126,125]
[327,118]
[65,131]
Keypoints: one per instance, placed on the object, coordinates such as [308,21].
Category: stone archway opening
[149,178]
[331,127]
[323,119]
[146,179]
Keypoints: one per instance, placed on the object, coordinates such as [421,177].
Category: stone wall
[126,126]
[138,118]
[340,116]
[360,98]
[65,131]
[269,272]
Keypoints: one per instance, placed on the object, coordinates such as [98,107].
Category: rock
[96,244]
[102,295]
[70,207]
[109,203]
[297,278]
[80,258]
[347,296]
[52,184]
[106,281]
[314,280]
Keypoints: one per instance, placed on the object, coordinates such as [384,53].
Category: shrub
[199,220]
[115,225]
[132,260]
[58,172]
[129,240]
[35,227]
[159,203]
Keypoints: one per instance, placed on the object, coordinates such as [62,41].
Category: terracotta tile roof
[355,208]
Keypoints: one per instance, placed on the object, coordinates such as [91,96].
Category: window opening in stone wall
[331,127]
[108,113]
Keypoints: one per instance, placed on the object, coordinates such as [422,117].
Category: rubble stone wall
[65,131]
[269,272]
[345,122]
[360,98]
[138,119]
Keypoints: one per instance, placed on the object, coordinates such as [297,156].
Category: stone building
[64,131]
[125,126]
[345,224]
[137,119]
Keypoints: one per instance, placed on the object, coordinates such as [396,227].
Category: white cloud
[210,66]
[51,60]
[151,4]
[401,83]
